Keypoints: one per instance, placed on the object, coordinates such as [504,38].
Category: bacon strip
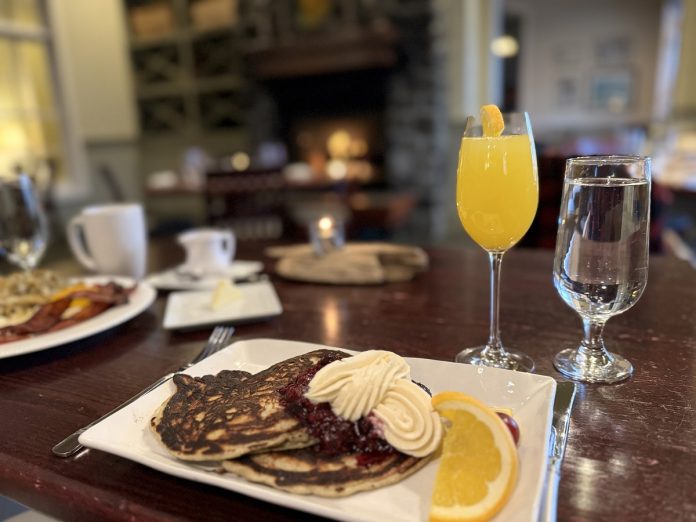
[45,317]
[88,312]
[111,293]
[8,337]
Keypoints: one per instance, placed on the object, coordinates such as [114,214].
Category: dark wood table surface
[632,448]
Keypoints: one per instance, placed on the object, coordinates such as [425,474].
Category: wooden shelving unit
[189,79]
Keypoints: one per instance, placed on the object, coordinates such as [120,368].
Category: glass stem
[592,341]
[495,345]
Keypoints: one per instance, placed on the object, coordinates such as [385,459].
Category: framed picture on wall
[567,91]
[613,51]
[567,54]
[612,91]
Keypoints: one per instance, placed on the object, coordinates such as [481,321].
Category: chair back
[251,202]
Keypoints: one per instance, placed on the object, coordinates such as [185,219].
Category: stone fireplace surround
[404,90]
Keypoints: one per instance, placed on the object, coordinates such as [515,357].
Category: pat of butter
[224,294]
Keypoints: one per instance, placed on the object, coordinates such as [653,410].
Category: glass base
[584,365]
[507,359]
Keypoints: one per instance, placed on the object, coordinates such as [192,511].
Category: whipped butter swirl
[378,381]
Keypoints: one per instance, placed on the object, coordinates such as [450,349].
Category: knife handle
[71,445]
[550,507]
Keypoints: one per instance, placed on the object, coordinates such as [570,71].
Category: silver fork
[218,339]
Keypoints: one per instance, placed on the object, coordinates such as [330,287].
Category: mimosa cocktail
[497,189]
[497,198]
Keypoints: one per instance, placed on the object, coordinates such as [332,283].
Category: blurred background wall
[95,83]
[144,98]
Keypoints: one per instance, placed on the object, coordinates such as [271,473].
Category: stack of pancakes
[238,419]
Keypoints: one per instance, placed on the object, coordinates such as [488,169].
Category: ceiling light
[505,46]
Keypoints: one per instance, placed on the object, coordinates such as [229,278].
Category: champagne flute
[601,261]
[497,198]
[23,223]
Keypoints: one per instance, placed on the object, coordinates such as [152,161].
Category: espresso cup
[208,250]
[110,239]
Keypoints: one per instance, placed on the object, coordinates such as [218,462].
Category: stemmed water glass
[497,198]
[601,260]
[23,225]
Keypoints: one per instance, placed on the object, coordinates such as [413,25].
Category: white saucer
[173,279]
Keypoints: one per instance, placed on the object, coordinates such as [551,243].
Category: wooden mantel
[347,50]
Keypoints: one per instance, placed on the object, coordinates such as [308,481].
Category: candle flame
[325,223]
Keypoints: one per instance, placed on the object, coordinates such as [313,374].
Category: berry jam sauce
[336,436]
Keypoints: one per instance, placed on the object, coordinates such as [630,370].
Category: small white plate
[141,298]
[186,310]
[530,397]
[172,280]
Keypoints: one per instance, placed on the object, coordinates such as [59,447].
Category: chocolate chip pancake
[233,413]
[307,472]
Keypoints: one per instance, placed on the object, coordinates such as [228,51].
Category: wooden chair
[251,202]
[542,232]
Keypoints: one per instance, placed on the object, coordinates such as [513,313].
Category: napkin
[354,264]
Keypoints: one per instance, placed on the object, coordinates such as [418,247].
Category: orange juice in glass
[497,198]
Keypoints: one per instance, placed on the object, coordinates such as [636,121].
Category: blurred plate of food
[42,309]
[188,279]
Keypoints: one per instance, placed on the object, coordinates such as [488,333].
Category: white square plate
[192,309]
[127,433]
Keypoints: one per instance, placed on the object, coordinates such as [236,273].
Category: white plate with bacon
[87,306]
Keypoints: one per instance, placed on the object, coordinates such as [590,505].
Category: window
[31,137]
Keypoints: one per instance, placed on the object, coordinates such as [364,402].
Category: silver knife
[562,406]
[218,339]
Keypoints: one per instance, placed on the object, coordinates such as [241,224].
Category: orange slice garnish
[479,463]
[492,121]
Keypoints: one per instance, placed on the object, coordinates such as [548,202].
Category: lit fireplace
[340,149]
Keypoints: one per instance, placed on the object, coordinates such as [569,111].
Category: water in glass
[601,261]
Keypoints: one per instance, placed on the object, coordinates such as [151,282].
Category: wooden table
[632,448]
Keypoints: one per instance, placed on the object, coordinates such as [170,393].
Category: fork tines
[218,339]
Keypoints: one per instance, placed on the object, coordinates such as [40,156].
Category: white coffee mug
[208,250]
[110,239]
